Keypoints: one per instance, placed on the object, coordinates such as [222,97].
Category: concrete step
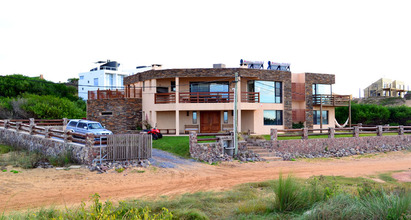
[264,153]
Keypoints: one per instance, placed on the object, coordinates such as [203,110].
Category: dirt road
[45,187]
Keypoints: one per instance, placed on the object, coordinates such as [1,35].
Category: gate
[128,147]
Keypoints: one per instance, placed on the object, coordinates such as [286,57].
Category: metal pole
[349,110]
[235,114]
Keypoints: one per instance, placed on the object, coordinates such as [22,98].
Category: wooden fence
[379,130]
[128,147]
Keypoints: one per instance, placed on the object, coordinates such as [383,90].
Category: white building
[105,76]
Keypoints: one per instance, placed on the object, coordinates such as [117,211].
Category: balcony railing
[205,97]
[331,100]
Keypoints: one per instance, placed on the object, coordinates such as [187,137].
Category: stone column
[379,130]
[305,134]
[192,142]
[331,132]
[401,130]
[356,131]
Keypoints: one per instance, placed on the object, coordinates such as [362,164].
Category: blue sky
[358,41]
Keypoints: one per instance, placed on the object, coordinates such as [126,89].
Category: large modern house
[385,87]
[203,100]
[106,76]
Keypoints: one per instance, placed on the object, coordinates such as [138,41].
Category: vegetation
[375,114]
[320,197]
[26,159]
[25,97]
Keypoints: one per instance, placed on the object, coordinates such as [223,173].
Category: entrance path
[45,187]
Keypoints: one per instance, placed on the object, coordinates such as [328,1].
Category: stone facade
[83,154]
[120,115]
[310,79]
[272,75]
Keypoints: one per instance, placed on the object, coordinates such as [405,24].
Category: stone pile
[108,165]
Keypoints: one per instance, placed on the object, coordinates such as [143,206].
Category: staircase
[264,153]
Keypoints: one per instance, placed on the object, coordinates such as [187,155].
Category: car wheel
[155,137]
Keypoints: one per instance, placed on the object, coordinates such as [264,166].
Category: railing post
[401,130]
[6,124]
[273,134]
[360,125]
[47,133]
[356,131]
[305,133]
[32,121]
[193,137]
[31,129]
[18,126]
[331,132]
[65,121]
[379,130]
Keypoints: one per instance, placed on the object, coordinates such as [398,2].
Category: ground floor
[182,122]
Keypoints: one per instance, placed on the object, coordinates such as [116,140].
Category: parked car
[87,127]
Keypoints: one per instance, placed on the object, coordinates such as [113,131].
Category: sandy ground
[36,188]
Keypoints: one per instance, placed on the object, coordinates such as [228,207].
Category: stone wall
[214,151]
[336,147]
[83,154]
[118,115]
[310,79]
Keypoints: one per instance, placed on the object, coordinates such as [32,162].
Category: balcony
[331,100]
[205,97]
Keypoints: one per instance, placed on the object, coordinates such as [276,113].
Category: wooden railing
[162,98]
[250,97]
[304,133]
[66,136]
[41,122]
[131,92]
[206,97]
[331,100]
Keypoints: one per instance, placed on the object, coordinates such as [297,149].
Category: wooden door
[210,122]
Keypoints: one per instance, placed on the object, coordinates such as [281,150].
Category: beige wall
[331,117]
[247,121]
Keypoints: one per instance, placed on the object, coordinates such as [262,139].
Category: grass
[178,145]
[319,197]
[5,149]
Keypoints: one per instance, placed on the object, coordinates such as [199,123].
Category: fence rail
[379,130]
[129,147]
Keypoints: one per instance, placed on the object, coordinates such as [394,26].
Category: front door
[210,122]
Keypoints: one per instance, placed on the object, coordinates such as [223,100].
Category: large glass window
[209,87]
[95,81]
[273,117]
[322,89]
[110,80]
[270,91]
[120,80]
[317,117]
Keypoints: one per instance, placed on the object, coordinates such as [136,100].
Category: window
[273,117]
[81,77]
[120,80]
[270,91]
[194,117]
[173,86]
[106,113]
[317,115]
[95,81]
[209,87]
[225,117]
[110,80]
[322,89]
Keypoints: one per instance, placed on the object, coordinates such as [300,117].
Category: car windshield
[95,126]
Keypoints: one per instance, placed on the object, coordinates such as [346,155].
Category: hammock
[341,126]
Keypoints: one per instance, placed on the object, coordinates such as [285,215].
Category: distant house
[385,87]
[105,76]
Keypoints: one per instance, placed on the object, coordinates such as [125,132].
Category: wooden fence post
[18,126]
[305,133]
[65,121]
[31,121]
[47,133]
[31,129]
[6,124]
[356,131]
[401,130]
[379,130]
[273,134]
[331,132]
